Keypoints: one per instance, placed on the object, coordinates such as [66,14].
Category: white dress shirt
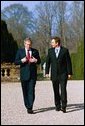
[57,50]
[29,52]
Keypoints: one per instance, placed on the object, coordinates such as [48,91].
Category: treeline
[50,18]
[8,45]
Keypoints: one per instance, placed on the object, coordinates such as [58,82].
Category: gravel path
[13,111]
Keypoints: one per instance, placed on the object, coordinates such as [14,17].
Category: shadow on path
[75,107]
[44,109]
[70,108]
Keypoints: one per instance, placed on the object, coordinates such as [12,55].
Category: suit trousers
[60,92]
[28,88]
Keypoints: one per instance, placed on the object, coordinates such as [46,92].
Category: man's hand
[33,60]
[47,75]
[69,76]
[23,60]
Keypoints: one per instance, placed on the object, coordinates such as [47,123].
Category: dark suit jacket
[27,70]
[59,66]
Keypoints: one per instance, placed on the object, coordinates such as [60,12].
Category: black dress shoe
[58,109]
[63,110]
[30,111]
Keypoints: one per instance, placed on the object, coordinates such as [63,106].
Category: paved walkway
[13,111]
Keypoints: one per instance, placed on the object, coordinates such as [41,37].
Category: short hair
[57,39]
[28,39]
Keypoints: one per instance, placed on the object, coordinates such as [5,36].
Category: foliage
[78,62]
[19,21]
[8,44]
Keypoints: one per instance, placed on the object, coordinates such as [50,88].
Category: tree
[76,23]
[8,45]
[43,26]
[19,21]
[60,9]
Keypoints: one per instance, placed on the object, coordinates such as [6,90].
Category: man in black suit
[61,70]
[28,58]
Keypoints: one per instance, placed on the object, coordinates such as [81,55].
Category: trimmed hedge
[8,45]
[78,63]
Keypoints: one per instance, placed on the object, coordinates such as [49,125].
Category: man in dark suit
[61,70]
[28,58]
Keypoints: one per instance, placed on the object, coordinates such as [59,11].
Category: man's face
[53,43]
[27,44]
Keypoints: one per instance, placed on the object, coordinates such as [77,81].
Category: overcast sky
[29,4]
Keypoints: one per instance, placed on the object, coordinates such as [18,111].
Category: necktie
[56,51]
[28,55]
